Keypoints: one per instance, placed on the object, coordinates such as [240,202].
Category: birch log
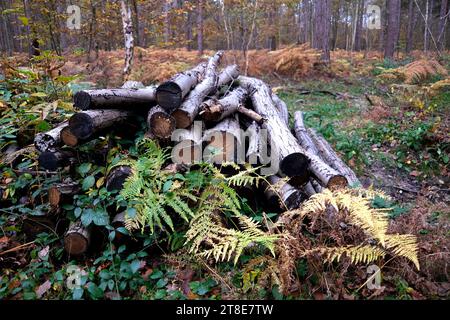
[217,110]
[190,107]
[84,124]
[302,134]
[282,108]
[160,123]
[77,239]
[50,140]
[282,195]
[170,94]
[123,98]
[284,146]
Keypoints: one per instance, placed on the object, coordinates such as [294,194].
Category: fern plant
[355,205]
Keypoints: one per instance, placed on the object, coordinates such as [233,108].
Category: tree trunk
[330,156]
[411,26]
[170,94]
[115,98]
[223,142]
[190,107]
[443,19]
[84,124]
[77,239]
[322,28]
[284,147]
[50,140]
[393,27]
[127,23]
[200,27]
[160,123]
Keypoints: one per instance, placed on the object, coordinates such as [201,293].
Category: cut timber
[54,160]
[284,146]
[309,189]
[116,177]
[253,149]
[160,123]
[216,110]
[170,94]
[316,185]
[228,75]
[330,156]
[68,138]
[282,108]
[62,192]
[77,239]
[327,175]
[223,142]
[50,140]
[188,149]
[124,98]
[84,124]
[302,134]
[190,107]
[250,114]
[130,84]
[281,194]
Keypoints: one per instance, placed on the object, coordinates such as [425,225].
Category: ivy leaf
[94,290]
[88,182]
[135,265]
[77,212]
[84,168]
[87,217]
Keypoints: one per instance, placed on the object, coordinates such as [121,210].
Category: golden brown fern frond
[357,254]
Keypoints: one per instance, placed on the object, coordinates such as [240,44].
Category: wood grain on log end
[68,137]
[182,119]
[337,182]
[160,123]
[76,239]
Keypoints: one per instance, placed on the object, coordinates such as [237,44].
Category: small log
[282,108]
[188,149]
[77,239]
[34,225]
[84,124]
[116,177]
[54,160]
[62,193]
[309,189]
[330,156]
[160,123]
[170,94]
[68,138]
[223,142]
[228,75]
[250,114]
[282,195]
[190,107]
[123,98]
[216,110]
[302,134]
[284,146]
[316,185]
[50,140]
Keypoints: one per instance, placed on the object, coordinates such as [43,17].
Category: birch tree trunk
[200,27]
[127,23]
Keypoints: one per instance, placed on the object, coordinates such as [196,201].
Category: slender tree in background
[412,19]
[322,19]
[392,28]
[125,11]
[200,27]
[443,22]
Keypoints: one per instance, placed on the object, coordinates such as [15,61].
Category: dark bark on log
[34,225]
[190,107]
[188,149]
[50,140]
[223,142]
[126,99]
[291,156]
[217,110]
[330,156]
[160,123]
[302,134]
[61,193]
[84,124]
[282,108]
[54,160]
[282,195]
[116,177]
[77,239]
[170,94]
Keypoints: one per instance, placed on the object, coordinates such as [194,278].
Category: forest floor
[394,133]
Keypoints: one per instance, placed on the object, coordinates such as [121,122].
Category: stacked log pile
[232,112]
